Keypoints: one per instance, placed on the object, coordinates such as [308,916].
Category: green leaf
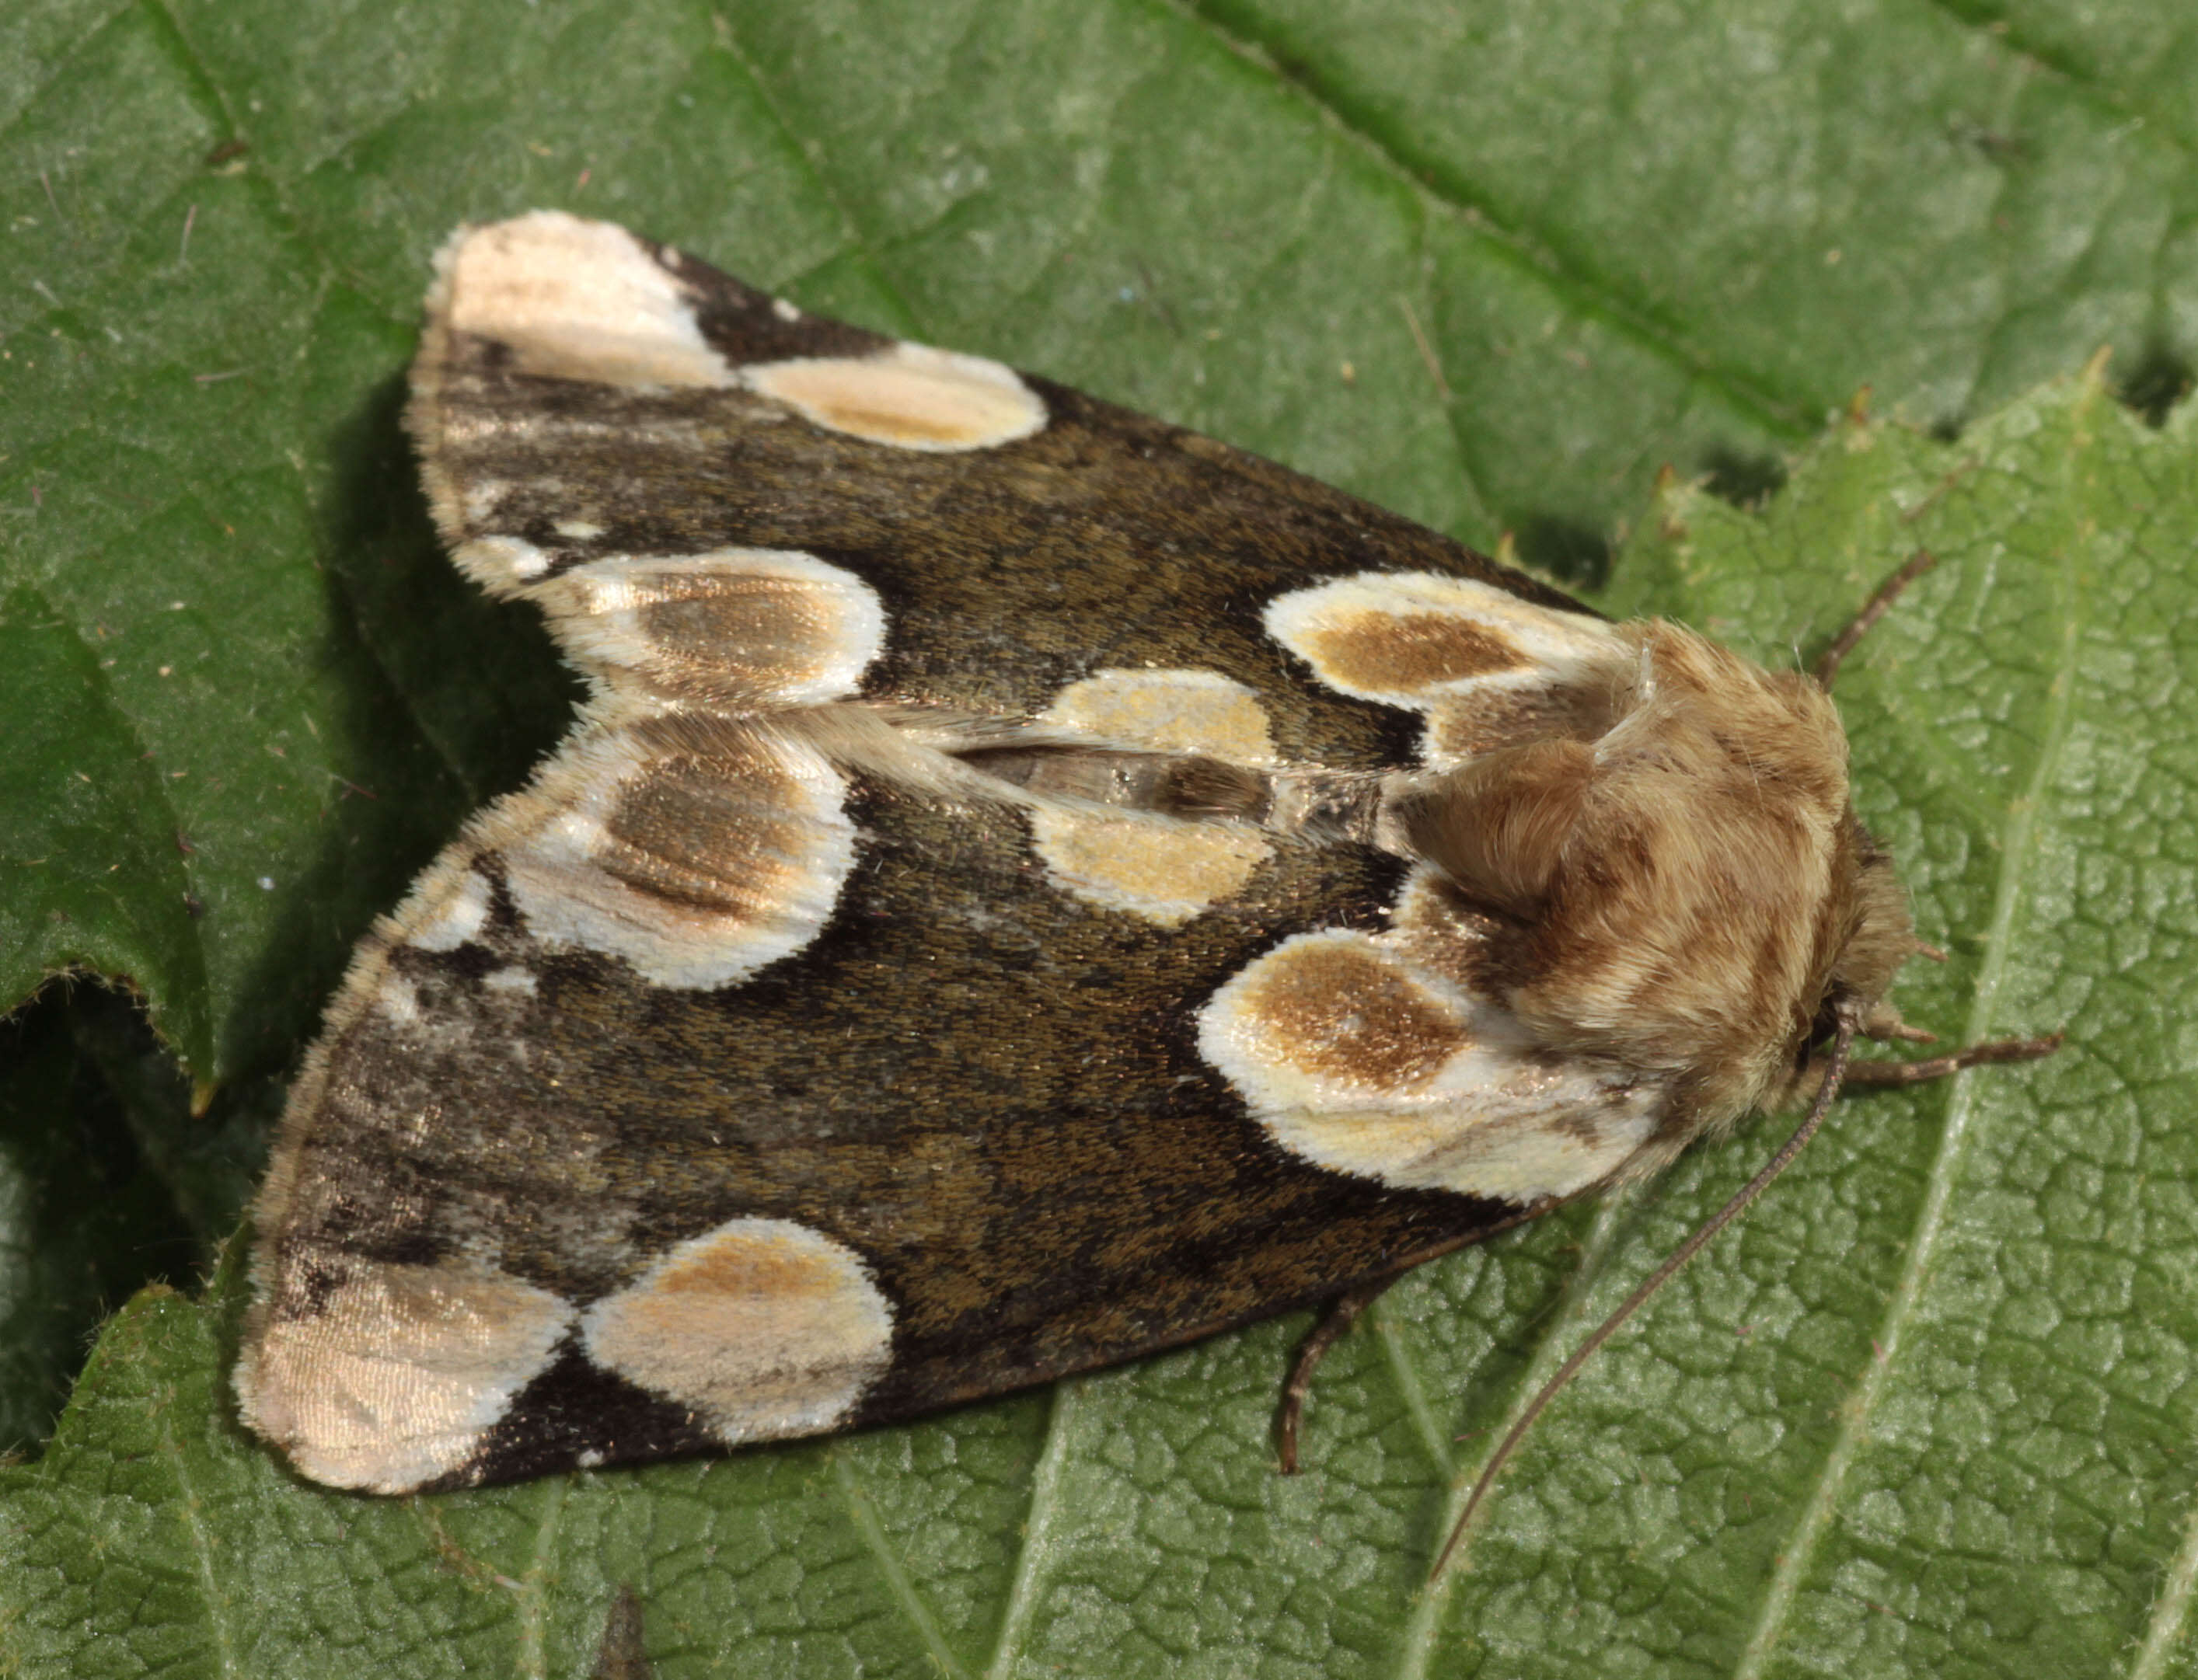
[1494,267]
[1927,1410]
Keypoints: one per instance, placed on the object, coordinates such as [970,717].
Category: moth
[1029,885]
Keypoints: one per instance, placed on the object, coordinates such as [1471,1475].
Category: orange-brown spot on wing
[1414,638]
[738,630]
[784,637]
[742,1267]
[1351,1056]
[1341,1013]
[697,849]
[725,835]
[763,1327]
[1408,654]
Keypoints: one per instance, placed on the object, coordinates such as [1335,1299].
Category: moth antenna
[1828,665]
[1834,1075]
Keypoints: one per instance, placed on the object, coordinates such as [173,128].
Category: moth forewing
[1030,886]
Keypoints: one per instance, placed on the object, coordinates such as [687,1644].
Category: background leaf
[1493,266]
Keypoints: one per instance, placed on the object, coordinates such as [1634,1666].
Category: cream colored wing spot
[482,498]
[1407,638]
[396,1001]
[909,396]
[1170,711]
[1163,870]
[699,850]
[447,908]
[1355,1058]
[1487,669]
[574,300]
[398,1376]
[763,1327]
[1165,873]
[737,629]
[1334,1017]
[503,566]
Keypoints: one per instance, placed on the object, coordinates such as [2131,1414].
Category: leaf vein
[2171,1609]
[857,235]
[892,1566]
[1038,1524]
[2019,830]
[1416,1651]
[1582,291]
[1405,1371]
[201,1541]
[2083,78]
[61,61]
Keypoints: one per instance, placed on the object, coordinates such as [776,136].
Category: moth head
[1878,938]
[1667,866]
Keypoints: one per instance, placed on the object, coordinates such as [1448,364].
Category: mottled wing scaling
[687,848]
[1016,897]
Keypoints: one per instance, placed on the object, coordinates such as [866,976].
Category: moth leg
[1940,1066]
[1342,1313]
[1828,664]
